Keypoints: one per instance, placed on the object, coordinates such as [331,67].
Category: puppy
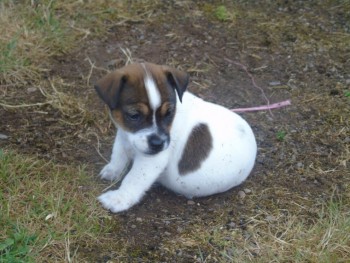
[193,147]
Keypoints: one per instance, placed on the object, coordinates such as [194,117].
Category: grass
[278,236]
[49,212]
[16,247]
[46,211]
[30,35]
[33,32]
[221,13]
[281,135]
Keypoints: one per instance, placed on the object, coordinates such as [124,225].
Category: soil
[303,148]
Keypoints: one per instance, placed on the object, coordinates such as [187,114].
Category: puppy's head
[142,102]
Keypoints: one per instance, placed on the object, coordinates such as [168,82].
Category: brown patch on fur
[138,108]
[166,78]
[197,149]
[117,117]
[165,107]
[124,92]
[166,114]
[123,86]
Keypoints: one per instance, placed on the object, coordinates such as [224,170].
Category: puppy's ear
[109,88]
[177,79]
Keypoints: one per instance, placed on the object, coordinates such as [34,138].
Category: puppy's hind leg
[119,159]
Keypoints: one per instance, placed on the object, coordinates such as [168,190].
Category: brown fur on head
[125,94]
[109,87]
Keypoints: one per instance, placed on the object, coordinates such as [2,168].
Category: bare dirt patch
[295,51]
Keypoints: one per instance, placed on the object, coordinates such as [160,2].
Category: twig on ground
[252,79]
[92,67]
[86,32]
[9,85]
[8,106]
[128,55]
[98,145]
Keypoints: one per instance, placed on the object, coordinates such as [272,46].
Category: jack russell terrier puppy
[193,147]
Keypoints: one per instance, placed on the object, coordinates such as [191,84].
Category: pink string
[264,107]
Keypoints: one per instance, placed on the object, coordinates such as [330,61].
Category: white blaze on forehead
[152,90]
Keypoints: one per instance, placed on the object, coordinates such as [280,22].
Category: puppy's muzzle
[157,143]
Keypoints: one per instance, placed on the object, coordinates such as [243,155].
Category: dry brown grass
[282,235]
[34,32]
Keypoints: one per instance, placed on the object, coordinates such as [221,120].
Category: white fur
[152,91]
[121,155]
[231,159]
[228,164]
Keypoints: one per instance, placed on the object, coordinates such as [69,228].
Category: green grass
[46,211]
[281,135]
[30,35]
[17,246]
[221,13]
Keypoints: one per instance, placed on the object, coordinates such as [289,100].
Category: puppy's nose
[155,143]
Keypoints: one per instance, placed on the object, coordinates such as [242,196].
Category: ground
[238,54]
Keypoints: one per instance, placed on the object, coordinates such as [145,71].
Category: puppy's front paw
[116,201]
[111,171]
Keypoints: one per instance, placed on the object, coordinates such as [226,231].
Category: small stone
[191,202]
[275,83]
[241,194]
[31,89]
[167,233]
[133,226]
[292,83]
[347,82]
[270,218]
[112,63]
[247,190]
[139,219]
[3,136]
[231,225]
[300,165]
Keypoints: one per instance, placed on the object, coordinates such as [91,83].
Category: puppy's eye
[133,116]
[168,113]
